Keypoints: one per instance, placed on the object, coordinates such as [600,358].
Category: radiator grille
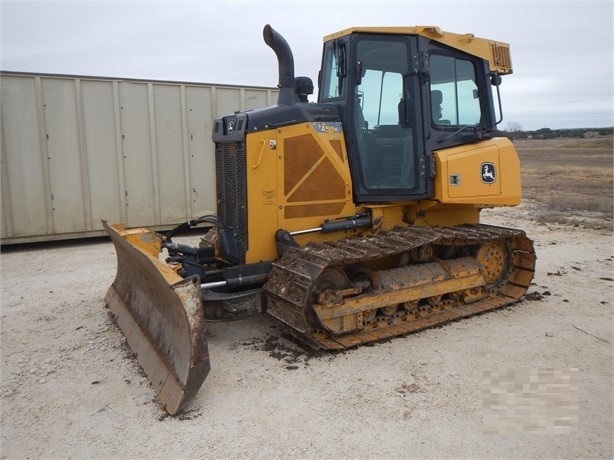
[232,189]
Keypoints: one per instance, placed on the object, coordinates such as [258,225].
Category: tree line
[513,130]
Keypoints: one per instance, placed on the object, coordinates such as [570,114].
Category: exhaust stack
[286,65]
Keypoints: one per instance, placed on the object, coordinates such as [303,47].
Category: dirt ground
[70,388]
[571,176]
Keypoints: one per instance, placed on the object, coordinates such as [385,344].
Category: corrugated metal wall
[78,149]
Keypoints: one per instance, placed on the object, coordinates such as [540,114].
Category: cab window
[379,94]
[333,72]
[454,92]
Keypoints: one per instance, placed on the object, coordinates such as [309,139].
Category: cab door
[373,77]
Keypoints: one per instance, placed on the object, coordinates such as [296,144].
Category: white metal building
[78,149]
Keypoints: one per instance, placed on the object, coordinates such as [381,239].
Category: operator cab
[403,96]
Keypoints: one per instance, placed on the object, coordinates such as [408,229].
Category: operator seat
[436,109]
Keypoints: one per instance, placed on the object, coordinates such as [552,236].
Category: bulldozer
[352,219]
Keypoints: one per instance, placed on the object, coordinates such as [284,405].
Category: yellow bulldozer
[350,220]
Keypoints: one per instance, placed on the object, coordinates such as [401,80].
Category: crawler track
[363,289]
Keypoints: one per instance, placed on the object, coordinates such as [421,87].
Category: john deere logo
[488,173]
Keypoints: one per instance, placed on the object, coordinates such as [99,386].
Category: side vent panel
[500,58]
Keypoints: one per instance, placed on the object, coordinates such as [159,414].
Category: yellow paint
[262,195]
[441,215]
[146,241]
[458,177]
[386,217]
[270,207]
[496,53]
[273,204]
[150,244]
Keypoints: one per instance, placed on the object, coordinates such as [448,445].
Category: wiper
[462,128]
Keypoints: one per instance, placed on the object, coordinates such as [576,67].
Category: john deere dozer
[350,220]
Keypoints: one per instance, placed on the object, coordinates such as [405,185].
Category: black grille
[232,189]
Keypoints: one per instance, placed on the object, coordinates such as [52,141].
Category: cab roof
[496,53]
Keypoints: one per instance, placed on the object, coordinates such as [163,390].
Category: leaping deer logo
[488,173]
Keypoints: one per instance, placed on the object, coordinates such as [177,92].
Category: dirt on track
[70,387]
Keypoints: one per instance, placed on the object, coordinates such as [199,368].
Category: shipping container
[78,149]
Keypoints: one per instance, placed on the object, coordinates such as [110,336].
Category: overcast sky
[561,51]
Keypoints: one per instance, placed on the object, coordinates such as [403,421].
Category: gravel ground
[71,389]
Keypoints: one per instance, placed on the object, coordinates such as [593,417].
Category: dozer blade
[161,316]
